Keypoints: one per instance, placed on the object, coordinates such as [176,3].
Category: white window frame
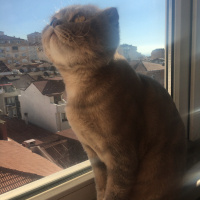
[182,61]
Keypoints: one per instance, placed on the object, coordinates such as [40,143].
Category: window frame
[182,72]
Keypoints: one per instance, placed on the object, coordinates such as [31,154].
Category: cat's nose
[55,22]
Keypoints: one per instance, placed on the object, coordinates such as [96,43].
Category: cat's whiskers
[65,35]
[75,42]
[85,33]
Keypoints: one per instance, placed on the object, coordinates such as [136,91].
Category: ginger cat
[126,122]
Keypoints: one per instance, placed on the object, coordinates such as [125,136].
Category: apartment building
[34,38]
[13,50]
[35,47]
[157,53]
[129,52]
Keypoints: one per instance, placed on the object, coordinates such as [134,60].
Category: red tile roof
[11,179]
[50,87]
[64,150]
[15,156]
[69,133]
[153,66]
[19,131]
[23,82]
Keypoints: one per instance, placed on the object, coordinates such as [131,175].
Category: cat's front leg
[99,170]
[121,176]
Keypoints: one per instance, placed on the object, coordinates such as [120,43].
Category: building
[157,53]
[34,38]
[9,103]
[129,52]
[35,47]
[42,104]
[153,70]
[159,61]
[13,50]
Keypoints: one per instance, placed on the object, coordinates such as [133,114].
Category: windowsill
[63,183]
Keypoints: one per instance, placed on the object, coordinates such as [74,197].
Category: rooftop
[23,82]
[50,87]
[62,149]
[145,66]
[153,66]
[16,157]
[19,131]
[6,37]
[3,67]
[69,133]
[11,179]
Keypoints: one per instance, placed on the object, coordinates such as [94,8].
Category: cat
[126,122]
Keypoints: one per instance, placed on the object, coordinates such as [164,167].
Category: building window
[24,60]
[10,100]
[64,118]
[15,48]
[57,98]
[22,48]
[7,49]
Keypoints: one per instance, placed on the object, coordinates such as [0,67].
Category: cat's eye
[78,18]
[55,22]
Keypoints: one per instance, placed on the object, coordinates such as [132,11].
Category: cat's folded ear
[112,14]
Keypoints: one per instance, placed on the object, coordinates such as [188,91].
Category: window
[15,48]
[57,98]
[63,116]
[174,65]
[24,60]
[22,48]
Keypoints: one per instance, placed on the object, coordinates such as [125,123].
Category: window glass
[34,98]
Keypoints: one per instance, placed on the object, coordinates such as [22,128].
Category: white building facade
[42,110]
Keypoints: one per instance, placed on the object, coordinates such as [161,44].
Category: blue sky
[142,22]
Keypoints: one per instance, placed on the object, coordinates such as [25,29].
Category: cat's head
[83,35]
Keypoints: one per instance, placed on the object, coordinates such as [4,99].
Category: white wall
[40,111]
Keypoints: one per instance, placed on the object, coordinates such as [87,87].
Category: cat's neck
[77,79]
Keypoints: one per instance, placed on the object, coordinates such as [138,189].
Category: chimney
[3,130]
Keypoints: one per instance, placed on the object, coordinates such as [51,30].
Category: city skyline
[142,23]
